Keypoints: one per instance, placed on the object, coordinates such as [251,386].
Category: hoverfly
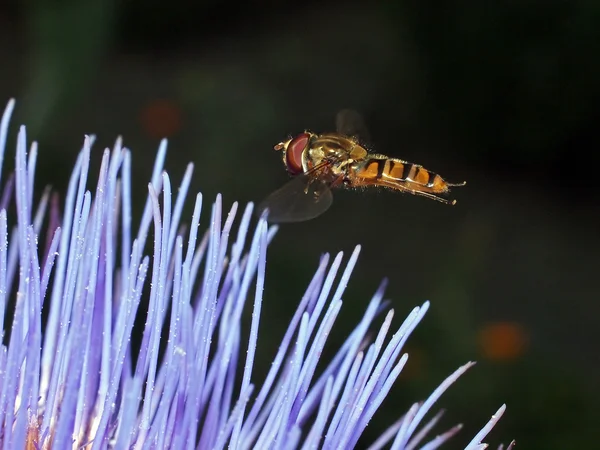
[320,162]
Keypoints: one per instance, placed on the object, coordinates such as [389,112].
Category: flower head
[75,375]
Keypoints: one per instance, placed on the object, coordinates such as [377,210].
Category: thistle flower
[71,378]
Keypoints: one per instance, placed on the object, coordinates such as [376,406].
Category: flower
[77,378]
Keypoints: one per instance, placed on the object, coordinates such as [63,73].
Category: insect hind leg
[456,184]
[429,195]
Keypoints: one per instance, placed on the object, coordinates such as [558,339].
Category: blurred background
[505,95]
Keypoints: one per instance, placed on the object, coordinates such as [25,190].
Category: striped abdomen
[395,173]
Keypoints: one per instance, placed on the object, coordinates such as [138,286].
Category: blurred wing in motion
[303,198]
[349,122]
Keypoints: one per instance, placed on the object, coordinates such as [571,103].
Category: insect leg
[427,194]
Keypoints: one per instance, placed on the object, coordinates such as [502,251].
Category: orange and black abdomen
[389,172]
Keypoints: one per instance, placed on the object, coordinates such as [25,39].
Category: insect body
[320,162]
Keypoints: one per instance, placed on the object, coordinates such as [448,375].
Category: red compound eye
[293,154]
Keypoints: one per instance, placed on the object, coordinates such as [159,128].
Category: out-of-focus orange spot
[161,118]
[503,341]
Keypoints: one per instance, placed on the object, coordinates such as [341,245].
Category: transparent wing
[303,198]
[350,123]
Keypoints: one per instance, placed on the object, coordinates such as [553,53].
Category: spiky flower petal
[82,378]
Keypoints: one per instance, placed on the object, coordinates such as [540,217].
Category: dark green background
[502,94]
